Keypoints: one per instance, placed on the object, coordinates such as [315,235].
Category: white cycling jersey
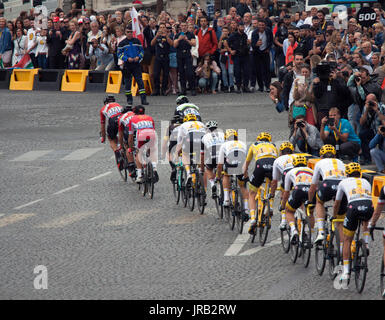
[354,189]
[281,164]
[211,144]
[328,169]
[296,176]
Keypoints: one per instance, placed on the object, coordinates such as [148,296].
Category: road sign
[366,17]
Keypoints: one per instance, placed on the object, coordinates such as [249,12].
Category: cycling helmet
[211,124]
[286,145]
[352,167]
[127,109]
[231,133]
[108,99]
[190,117]
[327,148]
[181,99]
[139,109]
[264,136]
[176,119]
[300,161]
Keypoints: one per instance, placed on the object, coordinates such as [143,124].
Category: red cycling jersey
[124,120]
[110,110]
[141,122]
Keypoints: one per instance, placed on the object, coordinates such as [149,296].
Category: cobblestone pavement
[64,206]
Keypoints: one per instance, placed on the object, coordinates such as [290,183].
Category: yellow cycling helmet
[327,148]
[231,133]
[286,145]
[190,117]
[299,160]
[264,136]
[352,167]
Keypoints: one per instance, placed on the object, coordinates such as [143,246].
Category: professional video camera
[324,68]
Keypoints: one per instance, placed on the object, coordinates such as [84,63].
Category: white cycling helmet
[211,124]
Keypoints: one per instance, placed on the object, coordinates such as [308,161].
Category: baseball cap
[56,19]
[80,21]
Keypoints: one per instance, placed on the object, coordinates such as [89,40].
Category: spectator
[242,8]
[42,49]
[372,116]
[55,41]
[208,73]
[262,41]
[149,33]
[226,62]
[292,45]
[378,154]
[275,95]
[72,49]
[162,43]
[339,133]
[281,34]
[104,59]
[31,43]
[207,39]
[240,55]
[306,136]
[19,46]
[173,74]
[379,34]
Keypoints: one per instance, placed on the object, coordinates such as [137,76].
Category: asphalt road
[64,206]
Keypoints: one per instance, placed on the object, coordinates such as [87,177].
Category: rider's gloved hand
[102,139]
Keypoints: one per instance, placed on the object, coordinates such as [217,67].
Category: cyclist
[143,127]
[170,140]
[211,144]
[264,152]
[298,179]
[281,166]
[184,107]
[189,139]
[123,123]
[111,111]
[232,156]
[376,216]
[330,172]
[354,196]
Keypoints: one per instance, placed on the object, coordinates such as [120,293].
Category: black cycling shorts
[284,173]
[298,196]
[112,128]
[327,190]
[358,210]
[212,165]
[172,145]
[263,169]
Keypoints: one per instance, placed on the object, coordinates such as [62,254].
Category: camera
[371,104]
[330,122]
[301,124]
[357,79]
[323,70]
[382,129]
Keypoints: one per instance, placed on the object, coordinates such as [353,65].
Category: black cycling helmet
[177,119]
[108,99]
[127,109]
[181,99]
[139,109]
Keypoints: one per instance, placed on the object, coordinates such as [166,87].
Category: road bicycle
[382,268]
[264,213]
[329,248]
[285,236]
[234,213]
[218,198]
[195,189]
[302,247]
[178,185]
[148,178]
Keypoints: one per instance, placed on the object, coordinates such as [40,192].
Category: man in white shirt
[31,44]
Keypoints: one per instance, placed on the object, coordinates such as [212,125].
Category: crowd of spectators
[330,79]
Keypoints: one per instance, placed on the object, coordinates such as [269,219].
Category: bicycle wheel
[306,242]
[124,173]
[238,210]
[333,253]
[219,199]
[144,182]
[184,187]
[175,188]
[201,193]
[150,180]
[265,222]
[360,265]
[285,240]
[320,256]
[382,279]
[191,195]
[294,251]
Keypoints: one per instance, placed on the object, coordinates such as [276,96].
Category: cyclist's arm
[274,184]
[249,157]
[120,136]
[380,206]
[312,190]
[102,125]
[164,146]
[131,140]
[336,207]
[219,171]
[285,197]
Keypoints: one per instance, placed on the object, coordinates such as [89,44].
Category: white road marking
[32,155]
[13,218]
[100,176]
[255,250]
[81,154]
[66,189]
[239,242]
[27,204]
[67,219]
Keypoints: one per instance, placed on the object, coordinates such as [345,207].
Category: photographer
[306,136]
[378,154]
[339,133]
[371,118]
[104,60]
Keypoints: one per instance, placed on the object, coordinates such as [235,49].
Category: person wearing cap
[130,53]
[55,42]
[319,44]
[305,43]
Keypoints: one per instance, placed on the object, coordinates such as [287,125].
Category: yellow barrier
[312,162]
[147,85]
[114,82]
[378,183]
[74,80]
[22,79]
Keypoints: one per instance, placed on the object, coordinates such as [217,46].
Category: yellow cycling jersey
[262,150]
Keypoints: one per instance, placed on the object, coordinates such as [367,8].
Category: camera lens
[382,129]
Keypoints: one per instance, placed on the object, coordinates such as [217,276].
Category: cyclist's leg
[255,182]
[226,189]
[245,196]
